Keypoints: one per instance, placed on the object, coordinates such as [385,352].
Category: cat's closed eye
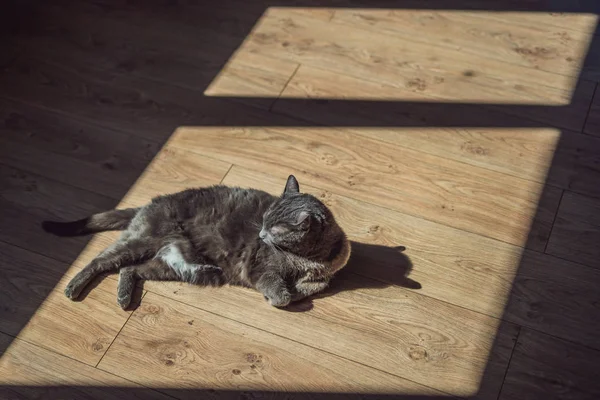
[278,230]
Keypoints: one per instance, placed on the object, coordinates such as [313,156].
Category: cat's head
[299,223]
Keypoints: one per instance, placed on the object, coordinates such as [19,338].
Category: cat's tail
[113,220]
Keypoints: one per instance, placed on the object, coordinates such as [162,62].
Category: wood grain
[252,75]
[356,99]
[576,232]
[417,70]
[29,371]
[526,152]
[451,265]
[557,297]
[522,152]
[91,91]
[409,335]
[299,38]
[174,170]
[27,199]
[488,34]
[28,277]
[591,68]
[543,292]
[176,345]
[592,125]
[364,296]
[472,271]
[543,367]
[576,21]
[131,42]
[442,190]
[76,153]
[92,324]
[575,164]
[144,108]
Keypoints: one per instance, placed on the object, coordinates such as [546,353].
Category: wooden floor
[466,131]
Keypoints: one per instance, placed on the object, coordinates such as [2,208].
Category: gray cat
[286,247]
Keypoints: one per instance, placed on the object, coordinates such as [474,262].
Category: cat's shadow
[371,266]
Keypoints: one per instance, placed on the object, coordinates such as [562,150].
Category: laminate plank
[478,281]
[176,345]
[522,152]
[575,164]
[174,170]
[543,367]
[40,313]
[135,42]
[447,355]
[463,273]
[578,19]
[557,297]
[42,196]
[591,68]
[89,157]
[29,371]
[27,279]
[576,231]
[487,34]
[252,75]
[592,125]
[416,183]
[144,108]
[411,336]
[472,279]
[543,292]
[23,286]
[419,71]
[526,152]
[27,199]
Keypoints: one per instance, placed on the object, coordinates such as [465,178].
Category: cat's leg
[189,267]
[151,270]
[307,286]
[273,287]
[157,270]
[123,252]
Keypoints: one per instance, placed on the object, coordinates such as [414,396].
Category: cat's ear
[291,186]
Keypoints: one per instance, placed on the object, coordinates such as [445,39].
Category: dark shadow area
[388,263]
[85,392]
[110,64]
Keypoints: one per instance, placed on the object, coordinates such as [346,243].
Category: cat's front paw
[280,299]
[73,289]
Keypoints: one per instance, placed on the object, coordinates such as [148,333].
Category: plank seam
[284,114]
[509,361]
[587,115]
[284,87]
[437,46]
[562,195]
[226,173]
[118,333]
[80,362]
[300,343]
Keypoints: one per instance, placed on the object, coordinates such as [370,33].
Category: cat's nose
[262,234]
